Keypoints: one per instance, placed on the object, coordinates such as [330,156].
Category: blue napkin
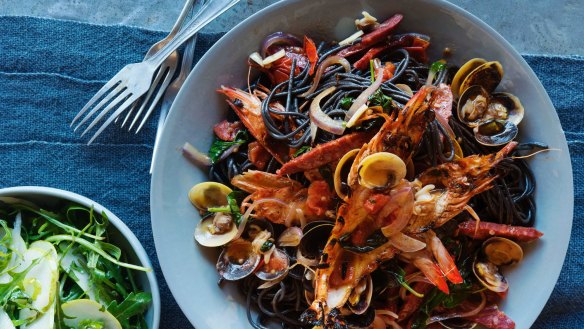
[49,69]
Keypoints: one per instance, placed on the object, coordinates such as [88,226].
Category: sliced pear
[5,322]
[44,321]
[41,280]
[85,309]
[71,264]
[18,247]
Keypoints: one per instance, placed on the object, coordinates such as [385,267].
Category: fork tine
[95,97]
[118,89]
[163,86]
[159,75]
[112,117]
[129,113]
[123,95]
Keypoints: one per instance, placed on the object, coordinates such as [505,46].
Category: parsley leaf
[380,99]
[219,147]
[232,206]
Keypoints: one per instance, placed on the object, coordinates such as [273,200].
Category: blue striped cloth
[49,69]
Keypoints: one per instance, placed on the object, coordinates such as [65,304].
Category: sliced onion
[290,237]
[392,323]
[256,57]
[357,115]
[300,259]
[285,39]
[272,58]
[17,224]
[227,153]
[332,60]
[387,313]
[470,313]
[406,243]
[320,119]
[247,214]
[364,96]
[272,283]
[402,206]
[351,38]
[195,156]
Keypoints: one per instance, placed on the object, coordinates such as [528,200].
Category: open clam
[342,172]
[488,275]
[496,252]
[314,240]
[237,260]
[494,116]
[254,227]
[381,170]
[275,268]
[216,230]
[360,298]
[507,104]
[209,194]
[502,251]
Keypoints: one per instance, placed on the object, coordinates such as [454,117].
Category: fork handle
[208,12]
[181,18]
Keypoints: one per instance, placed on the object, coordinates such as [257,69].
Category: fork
[172,91]
[166,70]
[134,80]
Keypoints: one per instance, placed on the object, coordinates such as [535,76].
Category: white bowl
[198,107]
[118,232]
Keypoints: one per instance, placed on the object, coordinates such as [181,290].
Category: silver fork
[165,71]
[172,91]
[135,79]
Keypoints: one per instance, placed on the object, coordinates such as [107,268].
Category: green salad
[58,269]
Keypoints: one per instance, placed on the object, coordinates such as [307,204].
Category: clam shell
[487,75]
[461,74]
[206,238]
[502,251]
[472,105]
[490,137]
[381,170]
[209,194]
[237,260]
[489,276]
[276,268]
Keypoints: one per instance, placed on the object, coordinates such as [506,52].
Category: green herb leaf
[232,207]
[267,246]
[133,305]
[438,66]
[5,241]
[375,240]
[90,324]
[302,150]
[346,102]
[434,69]
[400,276]
[380,99]
[219,147]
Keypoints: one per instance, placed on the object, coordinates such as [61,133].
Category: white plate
[189,269]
